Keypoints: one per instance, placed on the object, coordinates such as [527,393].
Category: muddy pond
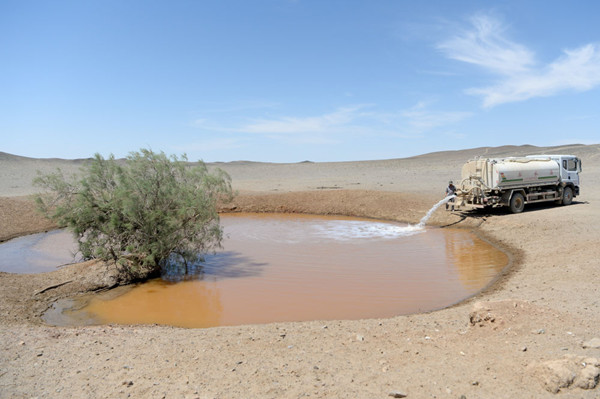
[276,267]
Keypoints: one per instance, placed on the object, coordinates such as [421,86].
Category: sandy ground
[532,334]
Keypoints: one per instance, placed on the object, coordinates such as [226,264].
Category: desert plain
[534,332]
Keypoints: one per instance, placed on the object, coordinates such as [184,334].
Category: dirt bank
[530,336]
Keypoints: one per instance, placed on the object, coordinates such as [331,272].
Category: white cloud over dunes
[521,77]
[359,119]
[423,119]
[355,120]
[342,118]
[210,144]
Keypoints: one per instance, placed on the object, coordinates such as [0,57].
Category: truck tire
[567,197]
[517,203]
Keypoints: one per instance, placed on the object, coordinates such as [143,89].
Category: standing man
[450,190]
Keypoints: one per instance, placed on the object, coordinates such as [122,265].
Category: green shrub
[140,213]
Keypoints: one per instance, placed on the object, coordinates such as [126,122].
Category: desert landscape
[532,333]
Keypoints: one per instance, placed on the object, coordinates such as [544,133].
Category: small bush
[140,213]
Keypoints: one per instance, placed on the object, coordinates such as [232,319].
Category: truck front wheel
[567,196]
[517,203]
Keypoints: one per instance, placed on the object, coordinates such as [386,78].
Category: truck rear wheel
[567,197]
[517,203]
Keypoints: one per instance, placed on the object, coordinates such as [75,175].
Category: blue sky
[288,81]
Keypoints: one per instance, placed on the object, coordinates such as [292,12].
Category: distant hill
[581,150]
[4,156]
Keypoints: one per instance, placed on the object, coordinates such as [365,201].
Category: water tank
[511,172]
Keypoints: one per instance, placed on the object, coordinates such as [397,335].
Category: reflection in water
[473,259]
[225,264]
[293,268]
[38,253]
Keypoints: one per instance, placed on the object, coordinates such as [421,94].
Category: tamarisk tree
[142,212]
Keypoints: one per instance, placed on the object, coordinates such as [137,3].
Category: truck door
[569,170]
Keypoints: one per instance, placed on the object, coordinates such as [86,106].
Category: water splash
[352,230]
[430,212]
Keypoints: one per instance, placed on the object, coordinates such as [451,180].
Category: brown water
[294,268]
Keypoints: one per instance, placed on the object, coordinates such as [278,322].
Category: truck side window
[564,164]
[571,165]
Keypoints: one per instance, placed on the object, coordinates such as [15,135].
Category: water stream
[425,218]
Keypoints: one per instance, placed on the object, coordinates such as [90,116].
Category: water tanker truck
[516,181]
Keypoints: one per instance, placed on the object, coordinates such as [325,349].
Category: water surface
[38,253]
[295,268]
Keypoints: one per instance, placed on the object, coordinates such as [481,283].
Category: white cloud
[521,77]
[487,47]
[305,139]
[423,119]
[456,135]
[577,70]
[239,106]
[212,144]
[342,118]
[356,119]
[339,125]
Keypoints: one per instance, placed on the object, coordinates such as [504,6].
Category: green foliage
[140,213]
